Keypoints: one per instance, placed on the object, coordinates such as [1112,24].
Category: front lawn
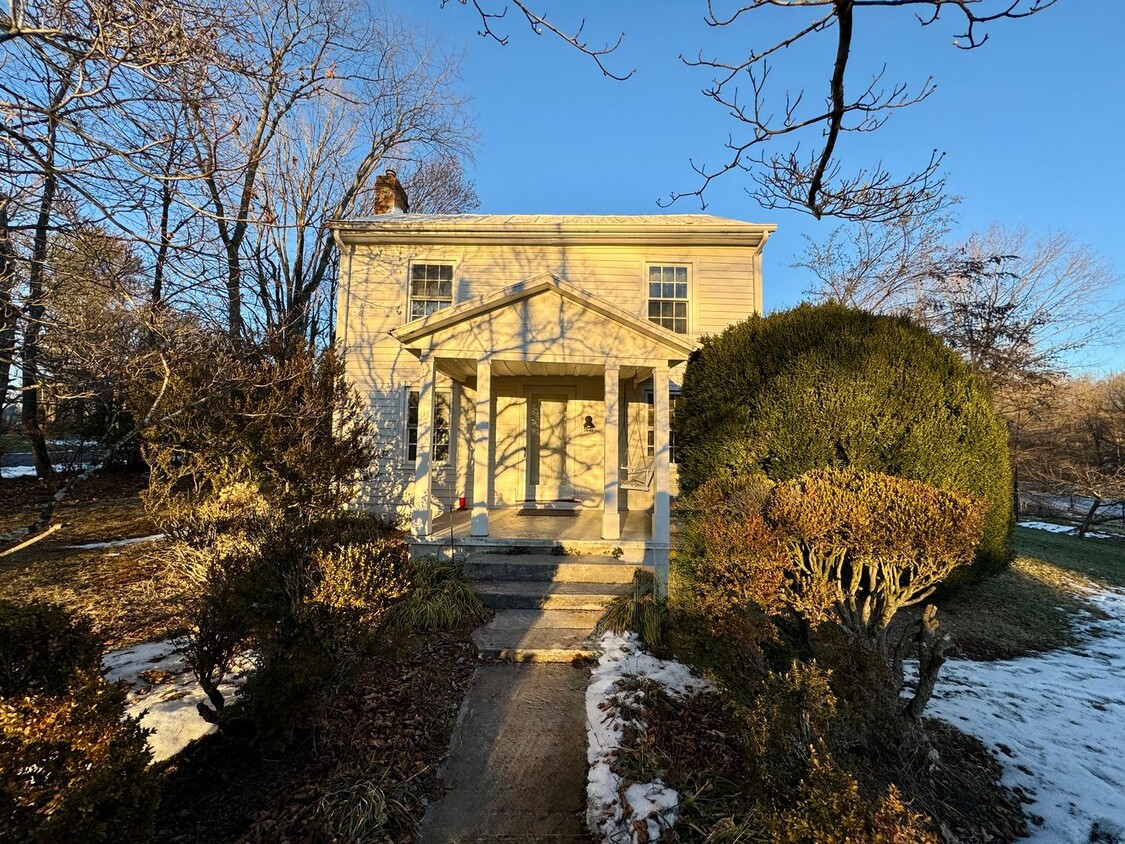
[1030,608]
[1102,560]
[122,590]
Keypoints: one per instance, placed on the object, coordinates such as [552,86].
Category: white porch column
[662,476]
[482,436]
[611,517]
[422,523]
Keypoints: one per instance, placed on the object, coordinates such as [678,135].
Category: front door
[548,447]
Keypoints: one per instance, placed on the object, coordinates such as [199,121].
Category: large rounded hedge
[826,385]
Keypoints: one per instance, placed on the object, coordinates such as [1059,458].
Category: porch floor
[585,526]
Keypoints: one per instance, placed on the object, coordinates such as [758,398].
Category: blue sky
[1031,123]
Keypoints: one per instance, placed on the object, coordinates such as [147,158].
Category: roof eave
[750,235]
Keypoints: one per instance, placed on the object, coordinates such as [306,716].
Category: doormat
[553,512]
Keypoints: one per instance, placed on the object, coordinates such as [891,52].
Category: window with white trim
[439,442]
[672,397]
[431,288]
[668,297]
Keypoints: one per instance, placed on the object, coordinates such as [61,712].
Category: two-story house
[521,364]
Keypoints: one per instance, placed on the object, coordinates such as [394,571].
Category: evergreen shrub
[73,767]
[828,386]
[41,646]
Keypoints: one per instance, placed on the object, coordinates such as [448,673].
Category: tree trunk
[932,648]
[9,313]
[1089,519]
[33,312]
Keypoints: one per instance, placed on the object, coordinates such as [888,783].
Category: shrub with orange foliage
[835,545]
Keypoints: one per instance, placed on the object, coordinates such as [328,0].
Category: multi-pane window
[439,443]
[668,297]
[672,397]
[431,288]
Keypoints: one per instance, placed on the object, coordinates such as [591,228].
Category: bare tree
[1078,446]
[810,178]
[314,103]
[880,267]
[75,78]
[1014,305]
[439,186]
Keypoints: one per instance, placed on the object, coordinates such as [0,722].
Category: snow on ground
[1053,528]
[163,693]
[653,804]
[1057,724]
[117,543]
[29,471]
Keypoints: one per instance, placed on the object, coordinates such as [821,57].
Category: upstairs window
[668,297]
[443,404]
[431,288]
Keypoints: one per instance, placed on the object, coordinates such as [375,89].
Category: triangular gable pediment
[543,318]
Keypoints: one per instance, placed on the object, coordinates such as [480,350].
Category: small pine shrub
[41,647]
[828,386]
[440,598]
[640,611]
[314,646]
[72,766]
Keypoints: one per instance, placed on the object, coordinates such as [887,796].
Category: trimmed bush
[362,580]
[41,648]
[833,546]
[863,545]
[821,386]
[72,766]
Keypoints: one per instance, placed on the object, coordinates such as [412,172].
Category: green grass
[1101,560]
[1031,607]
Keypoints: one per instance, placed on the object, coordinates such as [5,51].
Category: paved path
[517,765]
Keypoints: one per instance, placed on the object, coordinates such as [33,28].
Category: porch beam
[611,516]
[422,521]
[662,476]
[482,437]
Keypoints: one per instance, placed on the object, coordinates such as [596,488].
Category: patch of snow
[1067,529]
[118,543]
[166,700]
[1056,722]
[29,471]
[651,806]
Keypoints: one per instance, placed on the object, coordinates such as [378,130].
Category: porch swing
[638,478]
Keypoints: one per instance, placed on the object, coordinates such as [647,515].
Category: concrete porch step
[548,595]
[522,635]
[548,568]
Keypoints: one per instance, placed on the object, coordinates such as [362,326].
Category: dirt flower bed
[690,744]
[377,755]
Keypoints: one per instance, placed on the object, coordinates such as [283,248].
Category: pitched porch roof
[543,320]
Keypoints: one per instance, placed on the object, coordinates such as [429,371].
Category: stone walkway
[516,771]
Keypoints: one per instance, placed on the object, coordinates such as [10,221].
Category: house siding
[725,287]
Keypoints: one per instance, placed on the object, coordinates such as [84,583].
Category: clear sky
[1031,123]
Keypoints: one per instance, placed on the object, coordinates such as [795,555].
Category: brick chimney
[390,198]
